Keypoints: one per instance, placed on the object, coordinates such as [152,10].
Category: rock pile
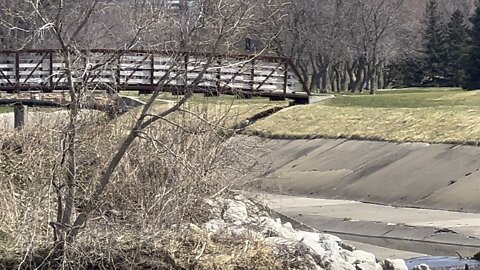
[240,217]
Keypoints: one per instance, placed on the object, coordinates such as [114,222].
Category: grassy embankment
[438,115]
[229,110]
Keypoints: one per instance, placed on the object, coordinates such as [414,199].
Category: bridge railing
[140,70]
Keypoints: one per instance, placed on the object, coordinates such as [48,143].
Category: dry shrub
[27,159]
[188,248]
[161,183]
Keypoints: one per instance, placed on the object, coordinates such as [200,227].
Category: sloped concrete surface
[437,176]
[416,197]
[433,232]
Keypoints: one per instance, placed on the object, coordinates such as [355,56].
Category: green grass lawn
[6,109]
[409,98]
[413,115]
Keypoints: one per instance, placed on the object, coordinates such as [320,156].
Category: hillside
[412,115]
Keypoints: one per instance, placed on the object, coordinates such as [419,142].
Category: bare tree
[374,22]
[340,45]
[209,26]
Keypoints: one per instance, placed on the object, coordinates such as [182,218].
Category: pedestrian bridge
[114,71]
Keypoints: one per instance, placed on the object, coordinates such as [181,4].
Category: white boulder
[240,217]
[215,226]
[421,267]
[368,266]
[362,256]
[397,264]
[236,211]
[340,265]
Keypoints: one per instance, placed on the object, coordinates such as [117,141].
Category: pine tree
[472,61]
[457,42]
[434,45]
[405,72]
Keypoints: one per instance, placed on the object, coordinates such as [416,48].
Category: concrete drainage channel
[412,245]
[354,221]
[380,195]
[442,233]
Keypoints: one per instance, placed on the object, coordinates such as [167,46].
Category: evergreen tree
[434,65]
[457,42]
[472,61]
[406,72]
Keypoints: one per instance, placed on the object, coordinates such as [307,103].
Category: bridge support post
[20,116]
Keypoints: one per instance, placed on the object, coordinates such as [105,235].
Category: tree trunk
[333,82]
[366,84]
[381,79]
[373,81]
[315,82]
[304,72]
[351,77]
[344,78]
[325,80]
[71,152]
[374,77]
[338,79]
[357,85]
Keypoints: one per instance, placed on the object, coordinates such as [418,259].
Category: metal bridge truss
[143,71]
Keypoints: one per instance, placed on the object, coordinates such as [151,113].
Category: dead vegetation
[167,249]
[159,186]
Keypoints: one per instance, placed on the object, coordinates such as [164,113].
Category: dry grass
[232,113]
[166,249]
[160,184]
[223,113]
[439,117]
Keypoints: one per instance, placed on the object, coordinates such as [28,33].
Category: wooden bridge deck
[142,71]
